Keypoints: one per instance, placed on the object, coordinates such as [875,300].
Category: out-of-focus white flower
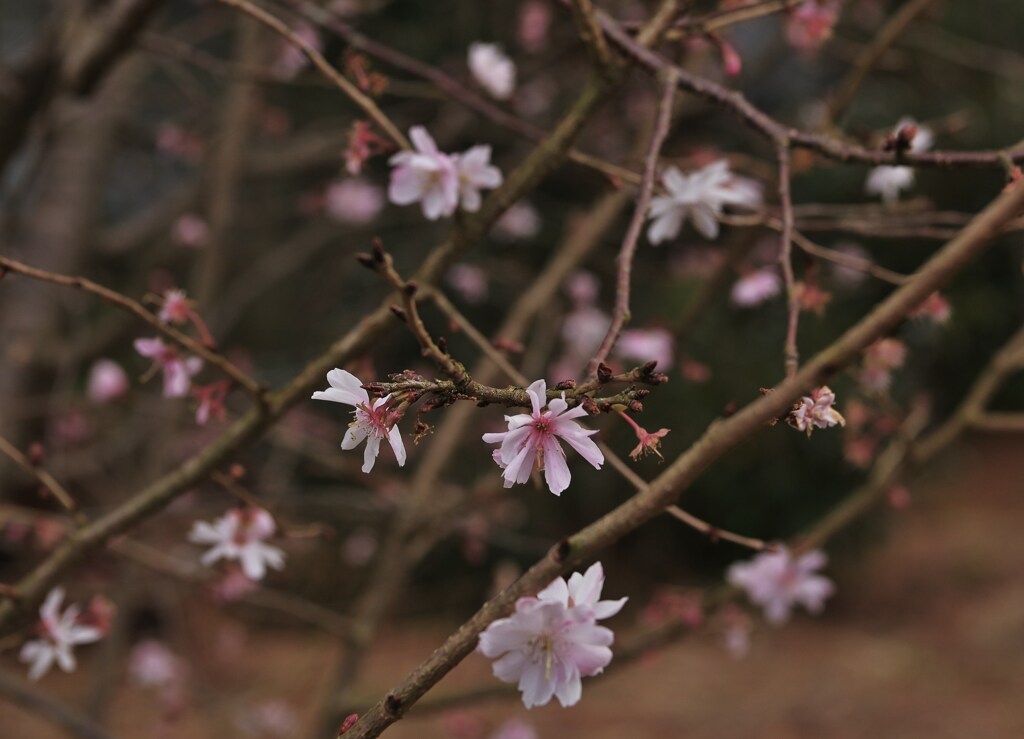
[373,421]
[816,411]
[426,176]
[553,640]
[521,221]
[107,381]
[353,201]
[475,173]
[59,634]
[776,582]
[701,196]
[756,287]
[469,281]
[532,440]
[493,69]
[177,370]
[240,535]
[887,181]
[645,344]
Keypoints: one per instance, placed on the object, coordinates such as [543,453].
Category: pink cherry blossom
[532,440]
[880,359]
[353,201]
[649,441]
[553,640]
[177,370]
[191,230]
[475,173]
[240,535]
[211,401]
[521,221]
[175,307]
[373,422]
[59,633]
[291,59]
[645,344]
[515,728]
[151,664]
[934,308]
[816,411]
[492,69]
[776,582]
[700,196]
[535,18]
[426,176]
[756,287]
[107,382]
[811,22]
[469,281]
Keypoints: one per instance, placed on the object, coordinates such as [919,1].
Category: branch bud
[399,313]
[604,372]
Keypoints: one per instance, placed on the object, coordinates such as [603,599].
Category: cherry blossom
[469,281]
[756,287]
[211,401]
[493,69]
[887,181]
[552,640]
[532,440]
[373,421]
[175,307]
[107,382]
[649,442]
[191,230]
[515,728]
[426,176]
[880,359]
[475,173]
[291,59]
[811,22]
[59,633]
[700,196]
[935,308]
[645,344]
[240,535]
[151,664]
[816,411]
[353,201]
[177,370]
[776,582]
[521,221]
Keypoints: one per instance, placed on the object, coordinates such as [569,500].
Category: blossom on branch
[532,440]
[756,287]
[492,68]
[240,535]
[178,371]
[776,582]
[816,411]
[475,173]
[887,180]
[373,421]
[553,640]
[700,196]
[59,633]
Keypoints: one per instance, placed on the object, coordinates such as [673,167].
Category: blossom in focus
[475,173]
[553,640]
[373,421]
[777,582]
[532,440]
[493,69]
[177,370]
[426,176]
[107,381]
[756,287]
[887,181]
[59,634]
[700,196]
[645,344]
[816,411]
[240,535]
[353,201]
[469,281]
[648,442]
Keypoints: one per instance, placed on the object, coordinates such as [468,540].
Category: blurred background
[212,157]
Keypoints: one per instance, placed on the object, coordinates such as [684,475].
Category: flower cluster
[700,196]
[532,441]
[441,182]
[776,582]
[553,640]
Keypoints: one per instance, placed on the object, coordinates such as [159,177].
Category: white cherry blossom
[240,535]
[492,69]
[700,196]
[59,634]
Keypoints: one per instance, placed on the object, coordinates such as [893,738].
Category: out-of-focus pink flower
[373,422]
[756,287]
[532,440]
[694,371]
[191,230]
[583,288]
[534,24]
[736,628]
[849,276]
[232,585]
[521,221]
[732,62]
[515,728]
[645,344]
[59,634]
[353,201]
[934,308]
[240,535]
[880,359]
[887,181]
[177,370]
[553,640]
[860,452]
[211,401]
[776,582]
[107,381]
[175,307]
[812,298]
[700,196]
[426,176]
[899,497]
[816,411]
[174,141]
[459,724]
[359,547]
[475,173]
[469,281]
[668,605]
[492,69]
[291,59]
[152,665]
[363,144]
[810,24]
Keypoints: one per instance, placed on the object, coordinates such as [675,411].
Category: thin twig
[45,479]
[790,352]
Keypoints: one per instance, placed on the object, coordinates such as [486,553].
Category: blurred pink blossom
[492,69]
[353,201]
[107,382]
[191,230]
[177,370]
[291,59]
[469,281]
[811,22]
[240,535]
[776,582]
[756,287]
[521,221]
[645,344]
[534,24]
